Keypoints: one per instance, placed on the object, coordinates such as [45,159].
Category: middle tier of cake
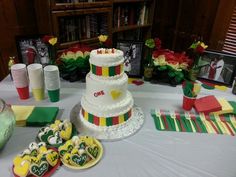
[105,92]
[115,109]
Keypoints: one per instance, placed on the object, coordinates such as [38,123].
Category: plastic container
[7,123]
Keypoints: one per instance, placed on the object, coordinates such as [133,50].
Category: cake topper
[105,51]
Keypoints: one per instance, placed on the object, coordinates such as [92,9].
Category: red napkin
[207,104]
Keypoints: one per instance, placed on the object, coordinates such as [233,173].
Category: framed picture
[217,67]
[31,49]
[133,54]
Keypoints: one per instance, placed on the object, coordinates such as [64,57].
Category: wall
[222,21]
[17,17]
[177,23]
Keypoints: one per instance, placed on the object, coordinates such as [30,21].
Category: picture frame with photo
[133,54]
[217,67]
[32,49]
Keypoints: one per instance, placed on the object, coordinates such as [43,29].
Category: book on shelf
[82,27]
[87,18]
[142,15]
[118,17]
[130,15]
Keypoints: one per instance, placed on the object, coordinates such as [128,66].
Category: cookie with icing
[36,160]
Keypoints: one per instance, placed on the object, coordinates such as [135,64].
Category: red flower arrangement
[176,64]
[73,63]
[50,41]
[195,52]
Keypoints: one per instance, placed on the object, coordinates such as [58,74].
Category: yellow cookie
[42,150]
[74,151]
[66,134]
[27,157]
[35,159]
[57,122]
[22,169]
[17,160]
[88,140]
[66,158]
[52,158]
[54,127]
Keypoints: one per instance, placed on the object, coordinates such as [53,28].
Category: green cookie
[93,151]
[79,160]
[39,170]
[45,136]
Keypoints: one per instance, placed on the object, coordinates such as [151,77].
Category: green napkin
[41,116]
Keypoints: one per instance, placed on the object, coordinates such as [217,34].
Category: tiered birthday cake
[107,102]
[107,110]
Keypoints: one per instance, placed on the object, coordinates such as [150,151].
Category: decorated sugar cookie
[36,160]
[39,170]
[22,169]
[56,134]
[81,152]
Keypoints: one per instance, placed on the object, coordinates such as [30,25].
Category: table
[149,152]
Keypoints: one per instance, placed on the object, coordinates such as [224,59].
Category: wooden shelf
[80,11]
[131,27]
[129,1]
[83,41]
[68,6]
[70,20]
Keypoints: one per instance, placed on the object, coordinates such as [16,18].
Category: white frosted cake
[107,110]
[106,102]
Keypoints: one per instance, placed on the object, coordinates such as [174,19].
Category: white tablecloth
[149,152]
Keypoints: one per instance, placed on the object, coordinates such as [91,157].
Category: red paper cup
[23,92]
[188,103]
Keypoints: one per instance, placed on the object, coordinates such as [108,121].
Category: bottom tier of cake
[114,132]
[106,121]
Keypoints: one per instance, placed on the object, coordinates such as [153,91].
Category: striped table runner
[166,120]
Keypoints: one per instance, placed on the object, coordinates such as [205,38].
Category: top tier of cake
[106,62]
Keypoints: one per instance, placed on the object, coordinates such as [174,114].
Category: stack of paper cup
[36,79]
[21,80]
[52,82]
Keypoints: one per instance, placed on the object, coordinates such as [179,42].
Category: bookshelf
[74,21]
[132,19]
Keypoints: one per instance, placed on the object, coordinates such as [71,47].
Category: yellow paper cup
[38,94]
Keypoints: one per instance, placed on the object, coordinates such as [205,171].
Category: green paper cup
[54,95]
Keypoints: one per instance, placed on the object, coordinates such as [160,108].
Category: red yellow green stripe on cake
[106,121]
[33,115]
[107,71]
